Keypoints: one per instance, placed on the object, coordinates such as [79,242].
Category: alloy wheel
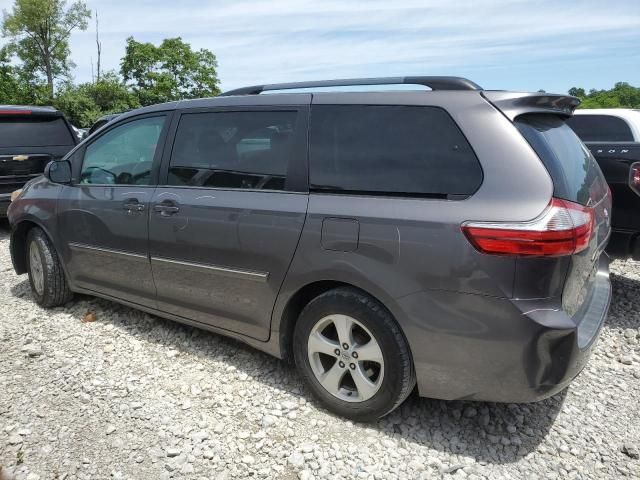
[36,268]
[345,358]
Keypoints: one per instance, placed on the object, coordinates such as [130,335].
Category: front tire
[353,355]
[46,276]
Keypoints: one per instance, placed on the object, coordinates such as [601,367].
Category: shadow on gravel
[487,432]
[22,289]
[625,303]
[495,433]
[5,228]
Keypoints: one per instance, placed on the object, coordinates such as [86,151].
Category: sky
[513,45]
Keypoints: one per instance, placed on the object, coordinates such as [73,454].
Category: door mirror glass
[58,171]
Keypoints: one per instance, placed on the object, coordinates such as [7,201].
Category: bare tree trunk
[47,66]
[99,45]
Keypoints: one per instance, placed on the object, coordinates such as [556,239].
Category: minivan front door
[224,228]
[104,213]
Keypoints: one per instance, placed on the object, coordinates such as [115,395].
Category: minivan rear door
[227,215]
[577,178]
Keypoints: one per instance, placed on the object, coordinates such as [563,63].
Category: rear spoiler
[513,104]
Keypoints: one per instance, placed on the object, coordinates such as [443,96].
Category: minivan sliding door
[225,225]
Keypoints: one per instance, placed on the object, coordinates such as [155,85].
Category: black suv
[613,137]
[30,137]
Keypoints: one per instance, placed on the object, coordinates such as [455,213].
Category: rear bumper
[491,349]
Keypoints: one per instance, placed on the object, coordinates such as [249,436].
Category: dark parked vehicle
[101,122]
[613,137]
[81,133]
[450,237]
[30,137]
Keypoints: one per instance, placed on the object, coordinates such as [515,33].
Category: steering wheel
[141,170]
[88,173]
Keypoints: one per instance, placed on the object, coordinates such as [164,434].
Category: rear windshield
[570,164]
[34,132]
[600,128]
[390,150]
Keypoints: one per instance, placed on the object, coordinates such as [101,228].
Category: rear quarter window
[600,128]
[392,150]
[34,132]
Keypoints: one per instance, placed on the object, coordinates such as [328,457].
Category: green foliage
[171,71]
[17,86]
[83,104]
[36,58]
[10,87]
[622,95]
[38,33]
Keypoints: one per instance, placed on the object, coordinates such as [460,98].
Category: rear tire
[352,355]
[46,276]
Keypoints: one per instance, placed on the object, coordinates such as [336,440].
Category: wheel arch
[300,298]
[18,244]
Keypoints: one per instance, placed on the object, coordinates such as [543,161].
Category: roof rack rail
[435,83]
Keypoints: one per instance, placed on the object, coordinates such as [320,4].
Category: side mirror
[58,171]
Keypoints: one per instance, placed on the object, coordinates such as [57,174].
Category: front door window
[124,155]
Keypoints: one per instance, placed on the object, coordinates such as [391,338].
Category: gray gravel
[134,396]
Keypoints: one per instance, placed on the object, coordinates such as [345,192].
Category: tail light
[564,228]
[634,177]
[16,111]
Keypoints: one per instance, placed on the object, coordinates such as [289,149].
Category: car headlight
[15,195]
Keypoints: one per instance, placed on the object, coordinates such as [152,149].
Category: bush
[83,104]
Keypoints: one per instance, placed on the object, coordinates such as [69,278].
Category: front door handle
[133,205]
[166,208]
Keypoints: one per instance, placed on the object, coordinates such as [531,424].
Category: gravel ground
[133,396]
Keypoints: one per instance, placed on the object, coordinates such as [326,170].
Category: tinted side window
[390,150]
[247,150]
[600,128]
[124,155]
[34,132]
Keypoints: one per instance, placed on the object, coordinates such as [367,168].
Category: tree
[18,86]
[577,92]
[622,95]
[9,84]
[38,33]
[83,104]
[171,71]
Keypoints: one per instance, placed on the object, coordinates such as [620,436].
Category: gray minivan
[450,237]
